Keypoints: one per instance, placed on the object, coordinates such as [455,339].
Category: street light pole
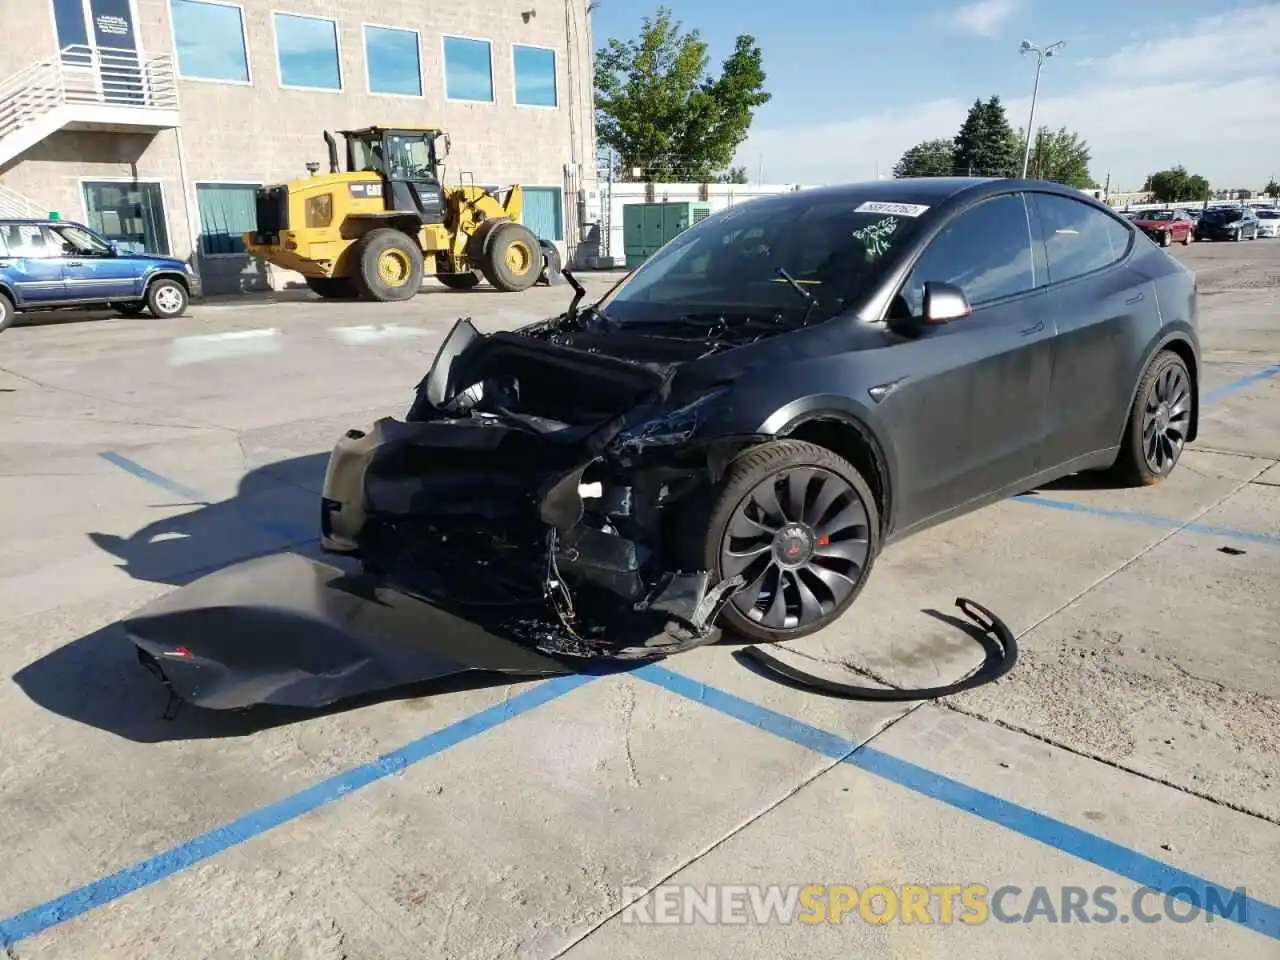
[1040,52]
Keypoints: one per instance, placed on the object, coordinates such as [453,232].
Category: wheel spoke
[766,499]
[828,493]
[743,527]
[851,551]
[838,583]
[798,482]
[735,562]
[776,613]
[748,598]
[853,516]
[810,606]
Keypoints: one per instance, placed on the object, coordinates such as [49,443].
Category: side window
[34,242]
[1077,238]
[986,252]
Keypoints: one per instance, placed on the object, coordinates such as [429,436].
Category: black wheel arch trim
[165,273]
[790,417]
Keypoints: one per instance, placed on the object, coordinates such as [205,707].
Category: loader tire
[390,265]
[333,288]
[512,258]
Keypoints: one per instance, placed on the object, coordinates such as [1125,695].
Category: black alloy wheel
[1166,419]
[799,525]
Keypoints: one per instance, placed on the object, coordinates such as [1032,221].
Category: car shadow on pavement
[98,680]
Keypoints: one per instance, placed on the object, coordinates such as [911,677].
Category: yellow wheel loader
[375,230]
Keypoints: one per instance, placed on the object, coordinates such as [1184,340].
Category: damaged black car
[735,430]
[725,441]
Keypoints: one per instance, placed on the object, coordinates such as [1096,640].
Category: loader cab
[408,163]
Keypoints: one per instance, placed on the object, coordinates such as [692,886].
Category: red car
[1165,226]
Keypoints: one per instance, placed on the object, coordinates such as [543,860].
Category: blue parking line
[101,892]
[1256,915]
[1266,373]
[1151,519]
[153,478]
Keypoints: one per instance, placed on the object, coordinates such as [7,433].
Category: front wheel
[1186,239]
[7,313]
[1165,239]
[799,524]
[1159,423]
[167,299]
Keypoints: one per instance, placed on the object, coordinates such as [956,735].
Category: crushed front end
[539,490]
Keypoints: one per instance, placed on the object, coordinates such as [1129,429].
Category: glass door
[98,40]
[131,213]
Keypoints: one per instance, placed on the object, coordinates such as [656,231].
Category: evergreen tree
[986,145]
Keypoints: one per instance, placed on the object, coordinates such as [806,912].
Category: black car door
[1105,312]
[968,419]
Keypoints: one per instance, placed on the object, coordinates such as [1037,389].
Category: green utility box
[647,226]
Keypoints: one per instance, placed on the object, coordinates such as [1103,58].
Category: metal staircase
[86,88]
[14,206]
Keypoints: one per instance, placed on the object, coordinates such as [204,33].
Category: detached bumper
[288,631]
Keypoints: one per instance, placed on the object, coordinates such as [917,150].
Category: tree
[733,175]
[657,106]
[1060,155]
[1175,184]
[1272,189]
[986,145]
[932,158]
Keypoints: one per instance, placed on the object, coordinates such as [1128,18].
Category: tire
[133,308]
[1186,239]
[390,265]
[167,299]
[1165,239]
[1166,382]
[512,258]
[333,288]
[763,468]
[459,281]
[7,313]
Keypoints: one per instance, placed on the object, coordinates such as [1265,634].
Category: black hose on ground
[997,664]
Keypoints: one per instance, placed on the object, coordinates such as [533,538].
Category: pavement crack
[628,713]
[1106,761]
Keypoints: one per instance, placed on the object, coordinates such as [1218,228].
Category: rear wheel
[800,525]
[459,281]
[167,299]
[333,288]
[390,265]
[512,258]
[7,313]
[1159,423]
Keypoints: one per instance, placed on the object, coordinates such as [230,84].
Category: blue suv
[46,264]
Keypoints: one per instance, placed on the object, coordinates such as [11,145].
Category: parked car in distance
[1165,226]
[1227,223]
[1268,223]
[51,264]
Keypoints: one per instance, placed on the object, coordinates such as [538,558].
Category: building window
[393,61]
[535,70]
[227,211]
[543,212]
[468,69]
[209,39]
[307,52]
[129,213]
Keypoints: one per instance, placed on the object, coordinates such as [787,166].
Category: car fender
[156,273]
[848,412]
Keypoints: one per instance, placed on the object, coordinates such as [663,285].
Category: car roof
[31,221]
[926,191]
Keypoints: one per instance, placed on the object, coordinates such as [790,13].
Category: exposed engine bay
[518,489]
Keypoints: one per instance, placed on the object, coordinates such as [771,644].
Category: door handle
[74,263]
[1034,328]
[1136,298]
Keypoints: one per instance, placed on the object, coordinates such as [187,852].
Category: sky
[1147,83]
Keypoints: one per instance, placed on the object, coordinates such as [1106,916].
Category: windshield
[1160,215]
[831,247]
[1223,215]
[1269,214]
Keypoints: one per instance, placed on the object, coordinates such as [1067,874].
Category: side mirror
[944,302]
[112,249]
